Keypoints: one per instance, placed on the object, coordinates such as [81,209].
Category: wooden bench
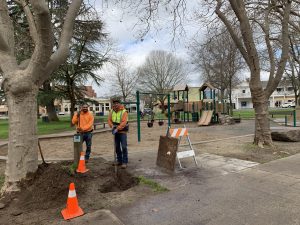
[98,123]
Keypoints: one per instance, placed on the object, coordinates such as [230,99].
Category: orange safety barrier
[178,132]
[72,210]
[81,165]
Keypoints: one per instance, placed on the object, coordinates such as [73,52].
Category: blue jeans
[121,147]
[87,138]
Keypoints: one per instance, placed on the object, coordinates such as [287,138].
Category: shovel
[115,157]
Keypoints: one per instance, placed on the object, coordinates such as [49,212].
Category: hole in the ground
[120,180]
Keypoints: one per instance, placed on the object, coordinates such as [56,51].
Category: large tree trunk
[21,82]
[51,111]
[50,103]
[262,125]
[23,140]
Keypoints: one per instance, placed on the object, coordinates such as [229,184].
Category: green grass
[43,128]
[70,169]
[156,187]
[64,123]
[3,129]
[250,114]
[244,113]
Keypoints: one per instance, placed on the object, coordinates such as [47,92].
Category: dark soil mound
[48,190]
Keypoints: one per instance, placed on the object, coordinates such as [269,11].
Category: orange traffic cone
[81,166]
[72,210]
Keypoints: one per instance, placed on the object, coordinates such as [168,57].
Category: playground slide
[202,118]
[208,118]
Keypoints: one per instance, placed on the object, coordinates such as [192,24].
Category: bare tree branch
[7,61]
[230,29]
[285,50]
[44,44]
[30,19]
[61,54]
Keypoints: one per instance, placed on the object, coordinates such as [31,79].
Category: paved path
[223,191]
[58,135]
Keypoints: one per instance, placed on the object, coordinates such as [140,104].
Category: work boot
[117,164]
[124,166]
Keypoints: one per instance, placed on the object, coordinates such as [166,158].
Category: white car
[61,113]
[288,105]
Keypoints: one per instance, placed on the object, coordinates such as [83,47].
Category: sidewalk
[223,191]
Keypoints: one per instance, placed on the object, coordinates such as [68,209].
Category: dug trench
[41,200]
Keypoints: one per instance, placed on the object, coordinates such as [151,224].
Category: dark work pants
[121,147]
[87,138]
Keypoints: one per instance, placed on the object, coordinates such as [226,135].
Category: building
[100,106]
[3,110]
[241,95]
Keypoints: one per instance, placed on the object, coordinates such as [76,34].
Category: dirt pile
[42,199]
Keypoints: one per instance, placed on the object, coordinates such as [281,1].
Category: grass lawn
[43,128]
[64,123]
[249,113]
[53,127]
[244,113]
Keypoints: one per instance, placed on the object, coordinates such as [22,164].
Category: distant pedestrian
[118,121]
[84,121]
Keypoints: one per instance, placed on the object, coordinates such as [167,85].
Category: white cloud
[121,28]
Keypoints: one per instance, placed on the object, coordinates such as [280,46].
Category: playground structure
[203,105]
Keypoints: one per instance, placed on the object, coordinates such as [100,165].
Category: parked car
[61,113]
[288,104]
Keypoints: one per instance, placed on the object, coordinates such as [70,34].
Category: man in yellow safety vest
[118,121]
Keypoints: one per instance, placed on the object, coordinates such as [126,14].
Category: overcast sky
[121,29]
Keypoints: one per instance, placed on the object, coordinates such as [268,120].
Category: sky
[121,29]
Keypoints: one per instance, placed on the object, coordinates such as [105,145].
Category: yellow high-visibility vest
[117,116]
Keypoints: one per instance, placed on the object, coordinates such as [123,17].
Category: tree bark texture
[262,134]
[23,142]
[51,111]
[50,103]
[21,85]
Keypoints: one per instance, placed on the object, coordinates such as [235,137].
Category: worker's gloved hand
[114,131]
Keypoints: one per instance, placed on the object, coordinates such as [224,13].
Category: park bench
[282,112]
[99,123]
[285,113]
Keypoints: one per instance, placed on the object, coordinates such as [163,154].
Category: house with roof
[241,95]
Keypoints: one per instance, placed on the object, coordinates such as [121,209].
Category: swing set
[151,116]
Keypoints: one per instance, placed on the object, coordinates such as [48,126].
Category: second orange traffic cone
[81,165]
[72,210]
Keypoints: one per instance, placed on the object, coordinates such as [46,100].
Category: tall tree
[124,79]
[87,55]
[22,80]
[219,60]
[161,72]
[253,18]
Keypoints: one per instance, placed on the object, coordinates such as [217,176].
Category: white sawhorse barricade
[179,133]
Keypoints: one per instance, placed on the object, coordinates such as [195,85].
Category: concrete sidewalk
[223,191]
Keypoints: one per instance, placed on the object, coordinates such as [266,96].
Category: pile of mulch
[41,199]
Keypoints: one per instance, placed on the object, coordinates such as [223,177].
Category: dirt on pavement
[41,200]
